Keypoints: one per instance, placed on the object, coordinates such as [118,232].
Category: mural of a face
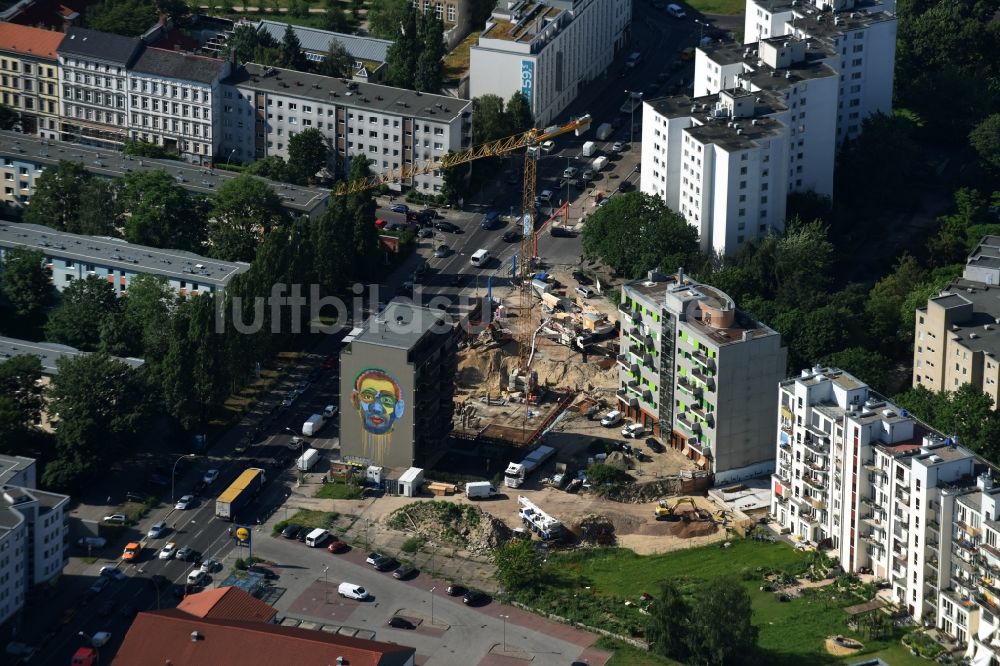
[378,399]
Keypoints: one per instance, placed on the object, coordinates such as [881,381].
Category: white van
[317,537]
[352,591]
[480,257]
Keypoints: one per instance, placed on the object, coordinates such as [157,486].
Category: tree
[360,211]
[86,303]
[970,417]
[489,121]
[20,400]
[172,8]
[519,565]
[385,16]
[139,148]
[455,182]
[100,210]
[56,201]
[802,263]
[429,66]
[518,113]
[25,282]
[884,153]
[252,45]
[307,154]
[291,50]
[985,139]
[334,18]
[401,58]
[243,210]
[635,232]
[869,366]
[666,628]
[161,213]
[959,232]
[820,332]
[272,167]
[338,61]
[10,119]
[720,631]
[193,374]
[130,18]
[141,324]
[883,307]
[333,245]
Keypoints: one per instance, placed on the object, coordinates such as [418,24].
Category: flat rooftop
[344,92]
[828,25]
[980,332]
[10,466]
[113,164]
[526,23]
[709,129]
[401,325]
[49,354]
[318,41]
[116,253]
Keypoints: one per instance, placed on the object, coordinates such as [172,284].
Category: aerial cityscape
[500,332]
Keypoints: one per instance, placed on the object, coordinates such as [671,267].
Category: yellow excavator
[664,511]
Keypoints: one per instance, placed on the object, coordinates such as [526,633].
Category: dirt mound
[465,527]
[617,460]
[597,529]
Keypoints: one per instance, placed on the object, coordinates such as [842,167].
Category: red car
[380,223]
[337,546]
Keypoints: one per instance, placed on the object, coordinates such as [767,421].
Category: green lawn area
[727,7]
[307,518]
[337,489]
[592,586]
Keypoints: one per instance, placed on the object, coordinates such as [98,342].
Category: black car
[268,574]
[475,598]
[303,533]
[385,563]
[625,186]
[404,572]
[401,623]
[654,445]
[136,497]
[455,590]
[447,227]
[582,278]
[511,236]
[430,213]
[291,531]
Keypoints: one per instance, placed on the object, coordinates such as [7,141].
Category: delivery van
[480,257]
[352,591]
[317,537]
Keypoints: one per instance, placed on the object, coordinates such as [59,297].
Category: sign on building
[528,80]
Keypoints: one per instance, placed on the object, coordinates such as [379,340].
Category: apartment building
[94,102]
[32,534]
[549,51]
[397,387]
[29,79]
[691,369]
[369,53]
[727,160]
[859,38]
[174,102]
[957,333]
[71,257]
[263,107]
[24,158]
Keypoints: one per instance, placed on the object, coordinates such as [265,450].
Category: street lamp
[326,588]
[631,123]
[173,473]
[230,156]
[505,618]
[567,180]
[432,605]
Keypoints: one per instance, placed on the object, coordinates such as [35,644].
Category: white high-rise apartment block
[174,102]
[890,496]
[33,534]
[548,50]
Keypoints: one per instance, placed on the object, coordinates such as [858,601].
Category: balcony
[702,359]
[816,445]
[866,500]
[968,529]
[622,360]
[817,503]
[871,466]
[988,602]
[813,482]
[687,385]
[903,495]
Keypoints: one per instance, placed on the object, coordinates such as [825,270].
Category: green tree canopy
[985,139]
[272,167]
[161,213]
[360,211]
[518,113]
[56,201]
[25,282]
[243,210]
[489,121]
[519,565]
[429,66]
[666,628]
[884,306]
[385,17]
[884,153]
[100,208]
[10,119]
[333,243]
[720,631]
[141,324]
[338,62]
[291,50]
[307,154]
[401,58]
[20,400]
[869,366]
[77,322]
[334,18]
[635,232]
[252,45]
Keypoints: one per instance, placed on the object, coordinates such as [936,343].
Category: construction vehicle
[240,493]
[516,473]
[539,522]
[664,511]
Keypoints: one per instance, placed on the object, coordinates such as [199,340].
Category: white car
[210,476]
[633,430]
[184,502]
[570,172]
[196,577]
[168,551]
[548,146]
[617,147]
[612,418]
[210,565]
[115,573]
[116,519]
[157,530]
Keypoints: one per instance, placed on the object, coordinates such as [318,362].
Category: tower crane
[530,141]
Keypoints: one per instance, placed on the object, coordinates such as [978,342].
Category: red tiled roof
[227,603]
[165,637]
[29,41]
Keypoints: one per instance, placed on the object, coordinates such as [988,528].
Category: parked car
[157,530]
[187,554]
[99,584]
[582,278]
[168,551]
[404,571]
[337,546]
[625,186]
[135,497]
[442,251]
[116,519]
[394,226]
[291,531]
[400,208]
[570,172]
[588,174]
[185,502]
[633,430]
[548,146]
[113,572]
[447,227]
[475,598]
[430,213]
[612,418]
[397,622]
[210,565]
[654,445]
[374,557]
[385,564]
[210,476]
[380,223]
[426,232]
[196,577]
[617,147]
[511,236]
[455,590]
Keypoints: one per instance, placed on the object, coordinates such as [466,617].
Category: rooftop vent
[195,636]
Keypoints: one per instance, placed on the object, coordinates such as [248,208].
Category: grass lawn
[338,490]
[592,586]
[727,7]
[307,518]
[456,63]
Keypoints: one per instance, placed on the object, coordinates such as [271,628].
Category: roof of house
[402,325]
[48,353]
[182,66]
[318,41]
[227,603]
[99,45]
[175,637]
[29,41]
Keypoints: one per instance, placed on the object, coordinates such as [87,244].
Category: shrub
[412,545]
[240,564]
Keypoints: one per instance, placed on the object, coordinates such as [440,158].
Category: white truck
[517,472]
[539,522]
[599,163]
[313,425]
[480,490]
[306,461]
[589,148]
[604,131]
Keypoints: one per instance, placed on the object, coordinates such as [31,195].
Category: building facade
[263,107]
[549,51]
[29,77]
[94,101]
[71,257]
[397,387]
[690,370]
[957,334]
[33,534]
[174,102]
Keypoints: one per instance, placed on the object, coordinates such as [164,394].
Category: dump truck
[240,493]
[517,472]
